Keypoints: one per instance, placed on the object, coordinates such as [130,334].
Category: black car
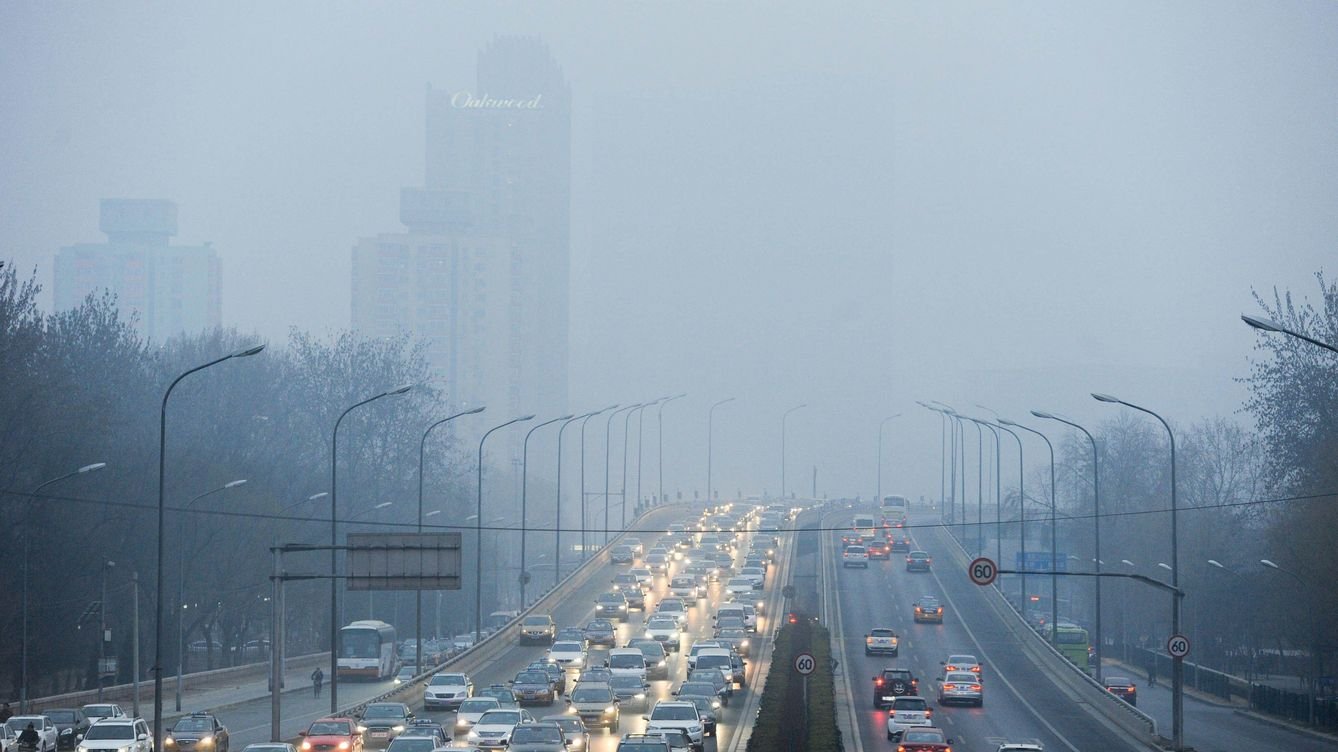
[70,723]
[611,606]
[918,561]
[186,734]
[601,632]
[556,674]
[893,682]
[533,687]
[636,597]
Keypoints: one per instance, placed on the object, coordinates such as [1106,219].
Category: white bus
[367,651]
[894,509]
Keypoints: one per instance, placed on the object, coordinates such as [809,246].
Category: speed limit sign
[804,664]
[982,571]
[1178,646]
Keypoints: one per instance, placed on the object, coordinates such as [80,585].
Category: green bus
[1072,641]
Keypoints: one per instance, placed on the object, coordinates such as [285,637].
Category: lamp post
[1054,546]
[107,566]
[710,431]
[953,425]
[278,614]
[998,491]
[478,532]
[1096,521]
[557,517]
[418,592]
[942,455]
[627,421]
[785,416]
[882,423]
[659,427]
[334,542]
[1266,325]
[1177,664]
[181,584]
[608,440]
[27,536]
[160,601]
[584,545]
[524,476]
[1314,635]
[640,424]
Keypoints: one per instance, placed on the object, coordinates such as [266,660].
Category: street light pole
[608,440]
[1054,547]
[659,427]
[524,475]
[1314,636]
[181,584]
[418,592]
[1177,664]
[640,433]
[159,601]
[107,564]
[710,431]
[882,423]
[942,455]
[334,543]
[784,417]
[627,421]
[1096,522]
[584,519]
[1267,325]
[557,517]
[478,531]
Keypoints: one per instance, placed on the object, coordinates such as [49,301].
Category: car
[678,714]
[98,711]
[121,734]
[556,674]
[961,662]
[413,744]
[197,731]
[493,729]
[1122,687]
[425,728]
[472,710]
[383,721]
[71,723]
[882,641]
[634,544]
[729,622]
[657,658]
[533,687]
[899,542]
[567,654]
[737,585]
[736,638]
[707,709]
[657,562]
[757,574]
[755,599]
[1031,746]
[961,686]
[611,606]
[685,588]
[597,705]
[892,683]
[595,675]
[855,556]
[538,628]
[642,575]
[447,690]
[331,734]
[274,747]
[629,689]
[744,613]
[601,632]
[643,743]
[624,580]
[622,555]
[501,693]
[721,658]
[928,609]
[570,634]
[627,662]
[636,597]
[879,549]
[572,728]
[673,607]
[9,741]
[540,736]
[406,673]
[918,561]
[907,712]
[724,688]
[924,739]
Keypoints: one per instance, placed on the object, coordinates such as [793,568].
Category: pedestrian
[1152,669]
[317,677]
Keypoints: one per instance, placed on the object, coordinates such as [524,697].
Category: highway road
[249,722]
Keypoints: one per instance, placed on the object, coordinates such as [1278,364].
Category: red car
[924,739]
[332,735]
[879,549]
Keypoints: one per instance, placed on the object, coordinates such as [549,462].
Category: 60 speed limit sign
[1177,645]
[803,663]
[982,571]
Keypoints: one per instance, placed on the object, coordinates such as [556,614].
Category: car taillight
[949,686]
[891,713]
[976,669]
[975,687]
[878,681]
[929,712]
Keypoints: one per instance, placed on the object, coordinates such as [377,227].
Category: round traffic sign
[803,663]
[1177,645]
[982,571]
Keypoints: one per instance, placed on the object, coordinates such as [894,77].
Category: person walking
[317,677]
[1152,669]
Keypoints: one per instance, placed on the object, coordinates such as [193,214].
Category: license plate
[379,734]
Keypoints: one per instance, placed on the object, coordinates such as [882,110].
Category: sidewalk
[218,696]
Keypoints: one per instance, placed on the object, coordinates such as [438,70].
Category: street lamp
[627,422]
[418,592]
[882,423]
[784,416]
[659,426]
[557,517]
[524,474]
[181,582]
[1177,664]
[1054,547]
[608,438]
[942,454]
[1267,325]
[478,532]
[27,537]
[107,565]
[585,546]
[710,430]
[640,425]
[1314,636]
[998,489]
[160,601]
[1096,522]
[334,542]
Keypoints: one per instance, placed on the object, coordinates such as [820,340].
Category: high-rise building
[169,289]
[481,272]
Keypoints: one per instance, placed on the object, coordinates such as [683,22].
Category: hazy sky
[849,205]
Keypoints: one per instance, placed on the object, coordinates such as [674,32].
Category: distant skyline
[853,206]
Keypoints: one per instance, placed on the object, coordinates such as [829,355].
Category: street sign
[404,561]
[982,571]
[803,663]
[1178,646]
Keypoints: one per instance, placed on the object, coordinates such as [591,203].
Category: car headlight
[609,710]
[473,736]
[362,729]
[743,643]
[205,741]
[640,695]
[306,745]
[342,745]
[715,703]
[169,742]
[398,729]
[660,664]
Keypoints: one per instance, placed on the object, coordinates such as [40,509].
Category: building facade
[167,289]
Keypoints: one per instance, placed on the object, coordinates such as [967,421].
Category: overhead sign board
[404,561]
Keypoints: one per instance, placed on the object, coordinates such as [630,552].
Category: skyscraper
[172,289]
[482,271]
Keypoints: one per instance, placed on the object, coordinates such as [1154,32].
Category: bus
[367,651]
[861,530]
[1072,642]
[894,509]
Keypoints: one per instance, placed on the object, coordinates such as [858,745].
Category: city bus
[861,530]
[367,651]
[1072,641]
[894,509]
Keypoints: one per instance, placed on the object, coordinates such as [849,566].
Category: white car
[683,716]
[627,662]
[119,734]
[673,607]
[685,589]
[472,710]
[493,729]
[642,575]
[757,574]
[739,585]
[664,630]
[855,556]
[567,654]
[46,730]
[906,712]
[98,711]
[961,662]
[447,690]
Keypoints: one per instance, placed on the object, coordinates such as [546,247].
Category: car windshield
[625,682]
[671,605]
[713,661]
[500,718]
[413,744]
[533,733]
[674,713]
[734,634]
[566,647]
[329,728]
[961,677]
[639,746]
[881,633]
[599,626]
[627,661]
[60,716]
[910,703]
[110,731]
[193,724]
[100,711]
[478,705]
[1118,681]
[449,680]
[532,677]
[697,688]
[611,597]
[383,711]
[922,736]
[962,660]
[662,623]
[568,724]
[536,621]
[592,694]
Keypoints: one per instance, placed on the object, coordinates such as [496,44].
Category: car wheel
[891,737]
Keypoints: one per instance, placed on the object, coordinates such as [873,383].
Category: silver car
[961,686]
